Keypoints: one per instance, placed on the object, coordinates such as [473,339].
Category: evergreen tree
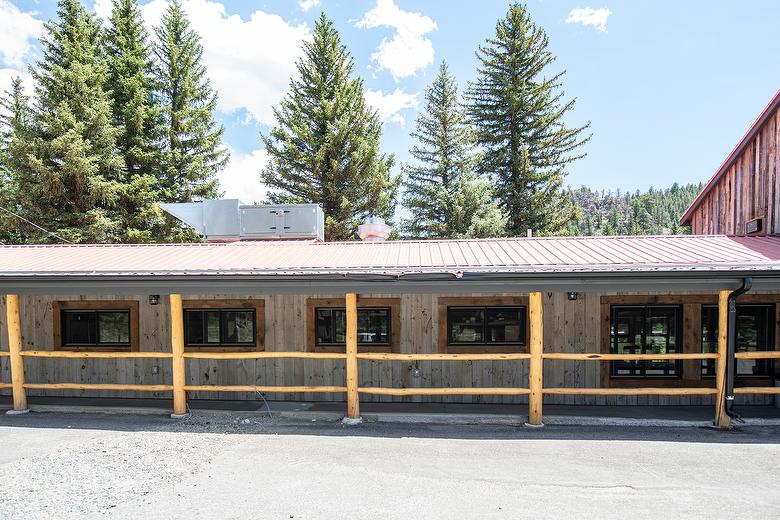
[325,146]
[194,152]
[15,127]
[72,174]
[138,115]
[442,193]
[518,112]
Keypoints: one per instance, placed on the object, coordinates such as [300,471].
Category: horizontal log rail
[387,356]
[767,354]
[6,385]
[624,357]
[757,390]
[81,354]
[444,391]
[629,391]
[265,389]
[265,355]
[4,353]
[96,386]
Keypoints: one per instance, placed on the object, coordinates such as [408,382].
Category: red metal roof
[721,171]
[515,255]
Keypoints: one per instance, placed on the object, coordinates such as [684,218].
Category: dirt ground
[232,465]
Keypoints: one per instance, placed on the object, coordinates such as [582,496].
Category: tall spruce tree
[442,192]
[194,152]
[15,128]
[325,146]
[518,111]
[72,174]
[137,113]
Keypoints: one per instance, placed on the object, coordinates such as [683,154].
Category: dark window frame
[222,312]
[443,302]
[485,325]
[67,327]
[641,367]
[394,303]
[248,304]
[59,308]
[389,318]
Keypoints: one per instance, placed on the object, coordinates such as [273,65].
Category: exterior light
[571,295]
[154,299]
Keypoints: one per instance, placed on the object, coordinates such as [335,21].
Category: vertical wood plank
[353,403]
[536,368]
[177,348]
[721,419]
[13,321]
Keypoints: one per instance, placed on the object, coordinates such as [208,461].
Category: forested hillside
[654,212]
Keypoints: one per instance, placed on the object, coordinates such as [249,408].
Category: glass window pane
[324,326]
[709,338]
[645,330]
[373,326]
[211,319]
[504,324]
[755,324]
[114,327]
[194,327]
[339,326]
[79,327]
[467,325]
[238,327]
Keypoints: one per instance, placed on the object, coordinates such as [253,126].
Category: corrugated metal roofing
[510,255]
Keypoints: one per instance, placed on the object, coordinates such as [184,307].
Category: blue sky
[669,87]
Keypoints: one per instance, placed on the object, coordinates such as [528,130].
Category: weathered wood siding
[749,189]
[569,326]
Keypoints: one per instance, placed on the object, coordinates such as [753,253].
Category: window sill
[218,348]
[486,349]
[340,349]
[95,348]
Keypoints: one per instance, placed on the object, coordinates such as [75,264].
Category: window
[486,325]
[378,324]
[373,326]
[645,329]
[219,327]
[95,328]
[755,332]
[103,325]
[224,324]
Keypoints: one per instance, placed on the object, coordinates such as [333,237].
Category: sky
[668,87]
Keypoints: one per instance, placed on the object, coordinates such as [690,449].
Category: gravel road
[217,465]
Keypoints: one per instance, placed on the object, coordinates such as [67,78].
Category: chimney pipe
[374,229]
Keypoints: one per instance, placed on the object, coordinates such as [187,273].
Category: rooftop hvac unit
[224,220]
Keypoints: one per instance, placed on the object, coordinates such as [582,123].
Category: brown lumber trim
[249,303]
[479,301]
[630,391]
[443,391]
[264,355]
[395,323]
[83,354]
[95,305]
[380,356]
[88,386]
[270,389]
[626,357]
[766,354]
[757,390]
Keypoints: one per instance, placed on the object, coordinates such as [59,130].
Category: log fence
[536,357]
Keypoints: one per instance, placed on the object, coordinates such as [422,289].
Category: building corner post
[177,361]
[353,399]
[722,420]
[14,350]
[536,368]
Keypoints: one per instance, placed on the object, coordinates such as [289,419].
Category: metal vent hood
[227,220]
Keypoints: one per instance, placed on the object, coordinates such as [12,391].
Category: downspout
[731,344]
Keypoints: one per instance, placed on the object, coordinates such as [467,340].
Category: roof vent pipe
[374,229]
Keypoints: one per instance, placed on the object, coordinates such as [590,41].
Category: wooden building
[585,320]
[743,196]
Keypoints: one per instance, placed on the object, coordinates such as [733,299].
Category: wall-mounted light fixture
[154,299]
[571,295]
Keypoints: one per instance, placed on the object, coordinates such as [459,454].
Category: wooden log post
[536,367]
[721,419]
[14,350]
[353,399]
[177,361]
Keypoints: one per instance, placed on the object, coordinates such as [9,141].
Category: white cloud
[18,31]
[408,50]
[306,5]
[589,16]
[390,106]
[249,62]
[241,177]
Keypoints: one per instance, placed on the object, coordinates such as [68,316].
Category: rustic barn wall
[569,326]
[749,189]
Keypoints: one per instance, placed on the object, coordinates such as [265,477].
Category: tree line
[120,121]
[117,123]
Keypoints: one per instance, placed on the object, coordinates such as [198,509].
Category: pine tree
[194,152]
[72,176]
[518,112]
[442,192]
[325,146]
[137,112]
[15,128]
